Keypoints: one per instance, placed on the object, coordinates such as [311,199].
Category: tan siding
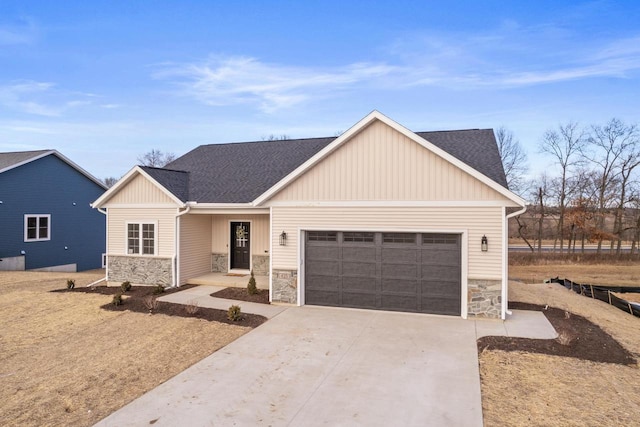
[476,221]
[380,163]
[195,246]
[259,233]
[140,190]
[118,218]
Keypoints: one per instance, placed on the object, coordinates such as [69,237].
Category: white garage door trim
[463,253]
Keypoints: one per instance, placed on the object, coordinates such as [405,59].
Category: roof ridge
[266,141]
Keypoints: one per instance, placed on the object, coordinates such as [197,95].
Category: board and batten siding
[476,221]
[379,163]
[259,233]
[117,223]
[195,246]
[139,191]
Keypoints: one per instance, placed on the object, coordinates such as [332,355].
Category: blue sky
[104,82]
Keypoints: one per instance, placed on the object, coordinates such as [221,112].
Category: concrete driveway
[312,366]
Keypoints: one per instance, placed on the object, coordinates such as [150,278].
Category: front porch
[229,280]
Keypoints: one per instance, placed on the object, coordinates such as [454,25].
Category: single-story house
[46,221]
[379,217]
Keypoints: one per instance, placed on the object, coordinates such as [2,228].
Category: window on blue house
[141,238]
[37,228]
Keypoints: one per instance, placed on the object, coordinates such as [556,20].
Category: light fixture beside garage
[283,239]
[484,244]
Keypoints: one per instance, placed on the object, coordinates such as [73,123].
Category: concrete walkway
[202,296]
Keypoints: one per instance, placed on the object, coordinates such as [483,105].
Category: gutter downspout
[505,256]
[174,263]
[106,248]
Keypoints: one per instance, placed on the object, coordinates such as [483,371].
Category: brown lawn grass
[67,362]
[622,274]
[523,389]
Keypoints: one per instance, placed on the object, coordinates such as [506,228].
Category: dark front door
[240,245]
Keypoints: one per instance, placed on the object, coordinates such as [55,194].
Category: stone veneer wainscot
[484,298]
[140,270]
[285,286]
[219,263]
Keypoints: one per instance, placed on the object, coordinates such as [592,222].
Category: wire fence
[603,293]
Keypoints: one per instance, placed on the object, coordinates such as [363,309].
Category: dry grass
[67,362]
[594,274]
[521,389]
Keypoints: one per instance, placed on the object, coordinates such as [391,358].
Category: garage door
[418,272]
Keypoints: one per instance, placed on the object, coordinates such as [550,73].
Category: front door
[240,254]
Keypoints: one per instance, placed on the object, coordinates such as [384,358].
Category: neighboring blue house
[45,218]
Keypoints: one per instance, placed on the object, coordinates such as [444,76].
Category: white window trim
[38,239]
[155,238]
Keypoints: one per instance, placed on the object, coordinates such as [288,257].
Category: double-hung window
[37,228]
[141,238]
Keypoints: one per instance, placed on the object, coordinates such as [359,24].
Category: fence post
[609,294]
[630,309]
[592,294]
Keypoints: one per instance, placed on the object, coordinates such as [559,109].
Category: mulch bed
[578,338]
[241,294]
[134,300]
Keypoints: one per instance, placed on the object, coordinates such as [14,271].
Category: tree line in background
[591,196]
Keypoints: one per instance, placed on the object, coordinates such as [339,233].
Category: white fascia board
[391,203]
[61,157]
[229,211]
[136,170]
[376,115]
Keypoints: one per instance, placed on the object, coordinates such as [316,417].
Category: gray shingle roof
[240,172]
[476,147]
[11,159]
[177,182]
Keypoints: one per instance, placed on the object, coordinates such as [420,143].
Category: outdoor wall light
[283,239]
[484,244]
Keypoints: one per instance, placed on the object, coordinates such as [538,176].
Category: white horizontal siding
[476,221]
[195,246]
[164,217]
[381,164]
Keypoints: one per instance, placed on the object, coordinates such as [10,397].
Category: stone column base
[484,298]
[285,286]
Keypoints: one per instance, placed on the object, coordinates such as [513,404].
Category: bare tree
[514,159]
[611,146]
[564,144]
[156,158]
[629,160]
[110,181]
[273,137]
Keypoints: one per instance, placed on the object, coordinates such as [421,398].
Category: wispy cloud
[513,56]
[41,98]
[239,80]
[508,57]
[23,32]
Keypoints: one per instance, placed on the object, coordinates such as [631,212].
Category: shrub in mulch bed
[134,300]
[578,338]
[241,294]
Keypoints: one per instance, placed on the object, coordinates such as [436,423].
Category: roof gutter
[505,257]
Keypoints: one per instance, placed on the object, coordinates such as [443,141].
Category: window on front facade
[37,228]
[141,239]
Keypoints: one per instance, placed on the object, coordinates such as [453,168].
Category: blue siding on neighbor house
[51,186]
